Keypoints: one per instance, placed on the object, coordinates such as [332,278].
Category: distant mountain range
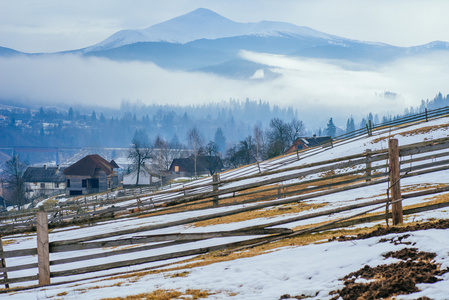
[203,40]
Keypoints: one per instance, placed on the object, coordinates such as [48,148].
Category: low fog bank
[319,89]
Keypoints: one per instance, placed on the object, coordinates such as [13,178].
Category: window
[95,183]
[68,183]
[84,183]
[42,185]
[176,168]
[57,185]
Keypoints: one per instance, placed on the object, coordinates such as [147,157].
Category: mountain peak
[200,23]
[203,12]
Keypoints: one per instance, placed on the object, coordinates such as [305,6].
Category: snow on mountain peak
[201,23]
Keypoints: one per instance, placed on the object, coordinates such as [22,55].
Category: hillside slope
[302,266]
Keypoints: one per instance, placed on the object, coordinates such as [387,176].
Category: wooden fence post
[368,165]
[215,189]
[426,116]
[395,185]
[3,264]
[139,202]
[43,253]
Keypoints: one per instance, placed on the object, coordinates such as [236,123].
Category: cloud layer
[318,89]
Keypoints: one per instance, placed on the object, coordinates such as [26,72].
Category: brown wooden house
[91,174]
[308,142]
[185,167]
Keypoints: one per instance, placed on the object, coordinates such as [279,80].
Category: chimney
[314,136]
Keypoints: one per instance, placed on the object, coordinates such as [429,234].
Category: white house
[146,177]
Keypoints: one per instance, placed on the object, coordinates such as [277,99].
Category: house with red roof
[91,174]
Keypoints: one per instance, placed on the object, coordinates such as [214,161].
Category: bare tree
[213,160]
[242,154]
[13,171]
[247,151]
[295,130]
[195,141]
[167,152]
[259,140]
[139,153]
[231,156]
[278,137]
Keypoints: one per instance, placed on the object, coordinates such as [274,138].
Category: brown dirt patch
[262,213]
[394,279]
[165,295]
[380,231]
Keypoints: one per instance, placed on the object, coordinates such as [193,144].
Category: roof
[309,142]
[202,163]
[143,169]
[87,166]
[114,164]
[315,141]
[43,174]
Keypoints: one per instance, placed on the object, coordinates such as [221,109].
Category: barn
[91,174]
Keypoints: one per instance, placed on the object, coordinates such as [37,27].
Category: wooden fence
[268,189]
[102,206]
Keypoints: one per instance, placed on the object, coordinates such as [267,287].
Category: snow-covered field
[312,270]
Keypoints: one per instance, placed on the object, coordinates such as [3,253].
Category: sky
[56,25]
[307,85]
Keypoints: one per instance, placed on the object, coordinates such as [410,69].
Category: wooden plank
[347,208]
[426,165]
[64,246]
[421,158]
[143,260]
[368,165]
[22,279]
[19,267]
[43,254]
[3,264]
[215,189]
[116,252]
[395,184]
[428,146]
[20,252]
